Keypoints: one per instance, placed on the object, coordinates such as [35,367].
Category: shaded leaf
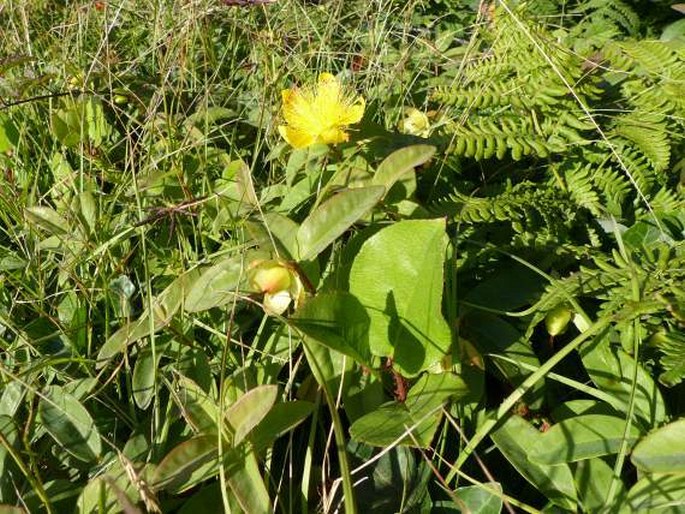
[187,464]
[215,286]
[656,493]
[69,424]
[143,379]
[514,439]
[333,217]
[582,437]
[336,320]
[398,277]
[401,162]
[164,308]
[662,451]
[420,414]
[282,418]
[250,409]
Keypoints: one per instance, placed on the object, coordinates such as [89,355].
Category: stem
[345,474]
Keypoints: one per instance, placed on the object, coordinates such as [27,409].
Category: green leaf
[582,437]
[282,418]
[98,497]
[479,500]
[249,410]
[333,217]
[401,162]
[164,307]
[514,439]
[198,408]
[398,277]
[69,424]
[593,479]
[47,219]
[283,230]
[246,482]
[215,286]
[187,464]
[336,320]
[662,451]
[507,289]
[395,482]
[656,493]
[420,414]
[143,379]
[11,435]
[612,370]
[9,136]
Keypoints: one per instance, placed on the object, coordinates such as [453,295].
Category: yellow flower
[319,114]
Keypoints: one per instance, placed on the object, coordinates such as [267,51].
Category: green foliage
[475,303]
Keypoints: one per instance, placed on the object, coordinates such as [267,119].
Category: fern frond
[649,134]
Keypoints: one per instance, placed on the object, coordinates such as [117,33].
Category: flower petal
[333,136]
[296,138]
[353,113]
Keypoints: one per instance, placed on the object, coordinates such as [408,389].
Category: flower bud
[558,319]
[269,277]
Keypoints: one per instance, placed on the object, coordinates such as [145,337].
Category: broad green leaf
[573,408]
[336,320]
[333,217]
[612,370]
[102,497]
[69,424]
[656,493]
[645,234]
[111,492]
[398,277]
[164,307]
[282,418]
[582,437]
[215,286]
[199,410]
[479,500]
[330,368]
[12,398]
[249,410]
[187,464]
[514,439]
[283,230]
[662,451]
[593,479]
[87,211]
[401,162]
[394,482]
[143,379]
[9,136]
[11,436]
[419,415]
[47,219]
[247,483]
[388,425]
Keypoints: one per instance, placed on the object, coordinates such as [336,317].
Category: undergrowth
[470,300]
